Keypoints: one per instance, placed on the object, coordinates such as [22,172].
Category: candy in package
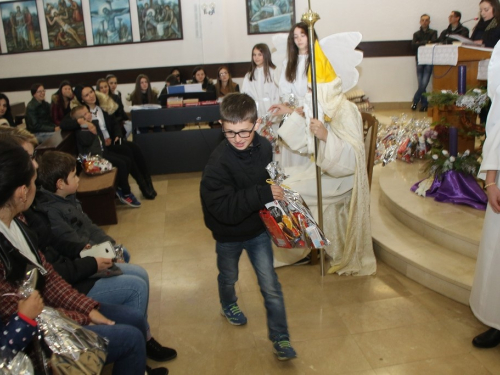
[289,222]
[404,139]
[95,164]
[72,346]
[268,132]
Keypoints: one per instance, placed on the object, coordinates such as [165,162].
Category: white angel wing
[340,51]
[278,56]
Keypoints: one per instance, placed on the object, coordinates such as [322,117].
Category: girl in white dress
[259,82]
[293,80]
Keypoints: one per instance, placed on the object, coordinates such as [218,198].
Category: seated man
[454,28]
[38,120]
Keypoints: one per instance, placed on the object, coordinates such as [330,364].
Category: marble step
[455,227]
[415,255]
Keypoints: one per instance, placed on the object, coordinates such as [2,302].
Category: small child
[87,138]
[233,190]
[57,199]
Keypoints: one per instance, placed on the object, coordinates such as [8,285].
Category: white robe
[287,156]
[342,161]
[485,295]
[264,92]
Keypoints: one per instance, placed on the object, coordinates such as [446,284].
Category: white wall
[222,38]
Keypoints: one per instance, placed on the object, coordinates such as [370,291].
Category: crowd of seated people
[114,307]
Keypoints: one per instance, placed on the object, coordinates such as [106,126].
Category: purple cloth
[457,188]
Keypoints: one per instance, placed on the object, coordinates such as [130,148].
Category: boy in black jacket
[233,190]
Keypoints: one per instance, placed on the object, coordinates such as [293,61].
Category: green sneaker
[283,349]
[234,315]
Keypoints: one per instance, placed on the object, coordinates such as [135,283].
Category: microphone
[472,19]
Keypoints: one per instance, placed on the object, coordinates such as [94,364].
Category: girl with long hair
[59,106]
[199,76]
[6,117]
[487,30]
[259,82]
[143,92]
[225,84]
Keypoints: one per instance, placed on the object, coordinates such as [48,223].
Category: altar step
[432,243]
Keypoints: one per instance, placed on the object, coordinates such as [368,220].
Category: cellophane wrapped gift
[95,164]
[18,365]
[405,139]
[289,222]
[75,350]
[268,132]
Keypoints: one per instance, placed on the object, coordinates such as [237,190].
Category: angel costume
[346,199]
[264,92]
[484,299]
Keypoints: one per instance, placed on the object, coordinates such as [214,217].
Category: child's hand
[318,129]
[278,192]
[97,318]
[280,109]
[32,306]
[103,263]
[107,141]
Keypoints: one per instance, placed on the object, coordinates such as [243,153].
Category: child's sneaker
[283,349]
[128,199]
[234,315]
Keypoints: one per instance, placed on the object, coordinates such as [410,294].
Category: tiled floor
[379,325]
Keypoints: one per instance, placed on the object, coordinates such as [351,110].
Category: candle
[453,144]
[462,79]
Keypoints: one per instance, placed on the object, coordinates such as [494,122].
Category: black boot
[488,339]
[149,183]
[146,191]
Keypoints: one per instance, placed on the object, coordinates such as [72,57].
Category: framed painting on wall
[159,19]
[21,26]
[65,27]
[111,23]
[270,16]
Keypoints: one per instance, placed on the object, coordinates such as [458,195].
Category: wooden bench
[18,111]
[97,195]
[64,141]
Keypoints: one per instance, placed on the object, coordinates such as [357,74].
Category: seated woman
[487,30]
[6,117]
[225,84]
[341,157]
[117,111]
[116,148]
[143,92]
[123,327]
[199,76]
[177,73]
[60,102]
[171,80]
[38,120]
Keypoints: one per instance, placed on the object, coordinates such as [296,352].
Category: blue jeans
[424,73]
[260,253]
[127,342]
[130,289]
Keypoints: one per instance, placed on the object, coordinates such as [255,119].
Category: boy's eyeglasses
[241,133]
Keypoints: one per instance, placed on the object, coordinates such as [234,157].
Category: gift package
[95,164]
[405,139]
[289,222]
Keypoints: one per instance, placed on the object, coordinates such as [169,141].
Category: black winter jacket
[233,190]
